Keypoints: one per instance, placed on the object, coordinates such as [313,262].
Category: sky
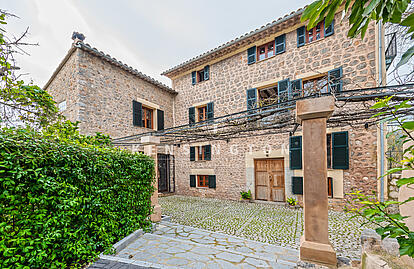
[151,36]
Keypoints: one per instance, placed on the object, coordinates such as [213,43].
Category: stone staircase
[176,246]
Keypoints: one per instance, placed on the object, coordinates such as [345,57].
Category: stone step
[172,246]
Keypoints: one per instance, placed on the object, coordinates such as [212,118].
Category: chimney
[77,37]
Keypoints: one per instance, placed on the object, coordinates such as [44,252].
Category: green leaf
[406,57]
[405,181]
[409,125]
[371,6]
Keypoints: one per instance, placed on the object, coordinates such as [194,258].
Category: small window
[266,51]
[202,181]
[268,96]
[315,86]
[203,153]
[330,187]
[147,117]
[62,106]
[202,113]
[200,76]
[315,33]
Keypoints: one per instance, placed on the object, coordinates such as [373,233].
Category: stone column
[312,114]
[150,148]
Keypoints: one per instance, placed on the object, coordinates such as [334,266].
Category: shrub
[291,201]
[62,202]
[246,195]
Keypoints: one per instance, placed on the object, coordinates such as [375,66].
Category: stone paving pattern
[174,245]
[268,223]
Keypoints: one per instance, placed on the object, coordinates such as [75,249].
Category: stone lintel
[321,107]
[319,253]
[150,140]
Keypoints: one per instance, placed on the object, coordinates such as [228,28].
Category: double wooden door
[270,180]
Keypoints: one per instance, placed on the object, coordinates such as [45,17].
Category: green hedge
[62,203]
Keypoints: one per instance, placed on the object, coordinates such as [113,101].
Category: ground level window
[330,187]
[147,117]
[202,113]
[202,181]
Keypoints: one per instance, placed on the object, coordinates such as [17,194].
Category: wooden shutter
[297,185]
[206,72]
[295,152]
[283,90]
[207,152]
[192,181]
[335,80]
[251,55]
[296,88]
[340,150]
[251,98]
[194,77]
[160,120]
[301,36]
[212,181]
[280,44]
[136,113]
[329,30]
[191,115]
[210,111]
[192,154]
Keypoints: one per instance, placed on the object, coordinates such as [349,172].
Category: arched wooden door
[270,180]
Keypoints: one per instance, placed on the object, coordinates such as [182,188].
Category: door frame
[269,186]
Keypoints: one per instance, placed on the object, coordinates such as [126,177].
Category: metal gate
[166,172]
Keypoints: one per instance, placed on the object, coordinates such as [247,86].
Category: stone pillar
[312,114]
[150,148]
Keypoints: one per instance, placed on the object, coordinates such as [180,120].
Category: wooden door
[270,180]
[163,172]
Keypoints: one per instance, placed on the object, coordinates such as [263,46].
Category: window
[200,153]
[268,96]
[329,149]
[315,33]
[202,181]
[330,187]
[318,32]
[315,86]
[202,113]
[266,51]
[147,117]
[62,106]
[201,75]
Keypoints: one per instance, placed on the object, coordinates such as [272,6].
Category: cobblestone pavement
[176,246]
[268,223]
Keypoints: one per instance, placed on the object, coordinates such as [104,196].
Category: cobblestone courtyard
[274,224]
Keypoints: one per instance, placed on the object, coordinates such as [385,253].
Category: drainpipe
[382,126]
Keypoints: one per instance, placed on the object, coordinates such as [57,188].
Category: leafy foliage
[246,195]
[374,211]
[291,201]
[360,13]
[65,198]
[20,102]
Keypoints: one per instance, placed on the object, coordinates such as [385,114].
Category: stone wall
[231,77]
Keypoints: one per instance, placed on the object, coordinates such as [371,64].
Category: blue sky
[151,36]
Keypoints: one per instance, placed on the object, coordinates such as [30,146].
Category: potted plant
[245,196]
[291,201]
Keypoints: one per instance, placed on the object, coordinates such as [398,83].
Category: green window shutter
[136,113]
[335,80]
[283,90]
[251,55]
[251,98]
[160,120]
[340,150]
[329,30]
[206,72]
[297,185]
[212,181]
[191,115]
[295,152]
[280,44]
[192,181]
[296,88]
[193,77]
[210,111]
[301,36]
[207,152]
[192,154]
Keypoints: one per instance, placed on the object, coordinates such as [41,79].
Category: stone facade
[99,95]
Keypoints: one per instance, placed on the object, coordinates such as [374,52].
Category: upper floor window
[147,117]
[266,51]
[200,75]
[62,106]
[143,116]
[320,31]
[202,113]
[200,153]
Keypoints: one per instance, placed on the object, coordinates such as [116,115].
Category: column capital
[312,108]
[150,140]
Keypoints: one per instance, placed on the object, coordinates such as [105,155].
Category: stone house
[275,62]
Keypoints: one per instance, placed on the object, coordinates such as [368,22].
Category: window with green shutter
[207,152]
[301,36]
[212,181]
[251,98]
[192,181]
[136,113]
[280,44]
[251,55]
[295,152]
[160,120]
[329,29]
[207,72]
[210,111]
[296,88]
[192,153]
[283,90]
[335,80]
[191,115]
[340,150]
[297,185]
[193,77]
